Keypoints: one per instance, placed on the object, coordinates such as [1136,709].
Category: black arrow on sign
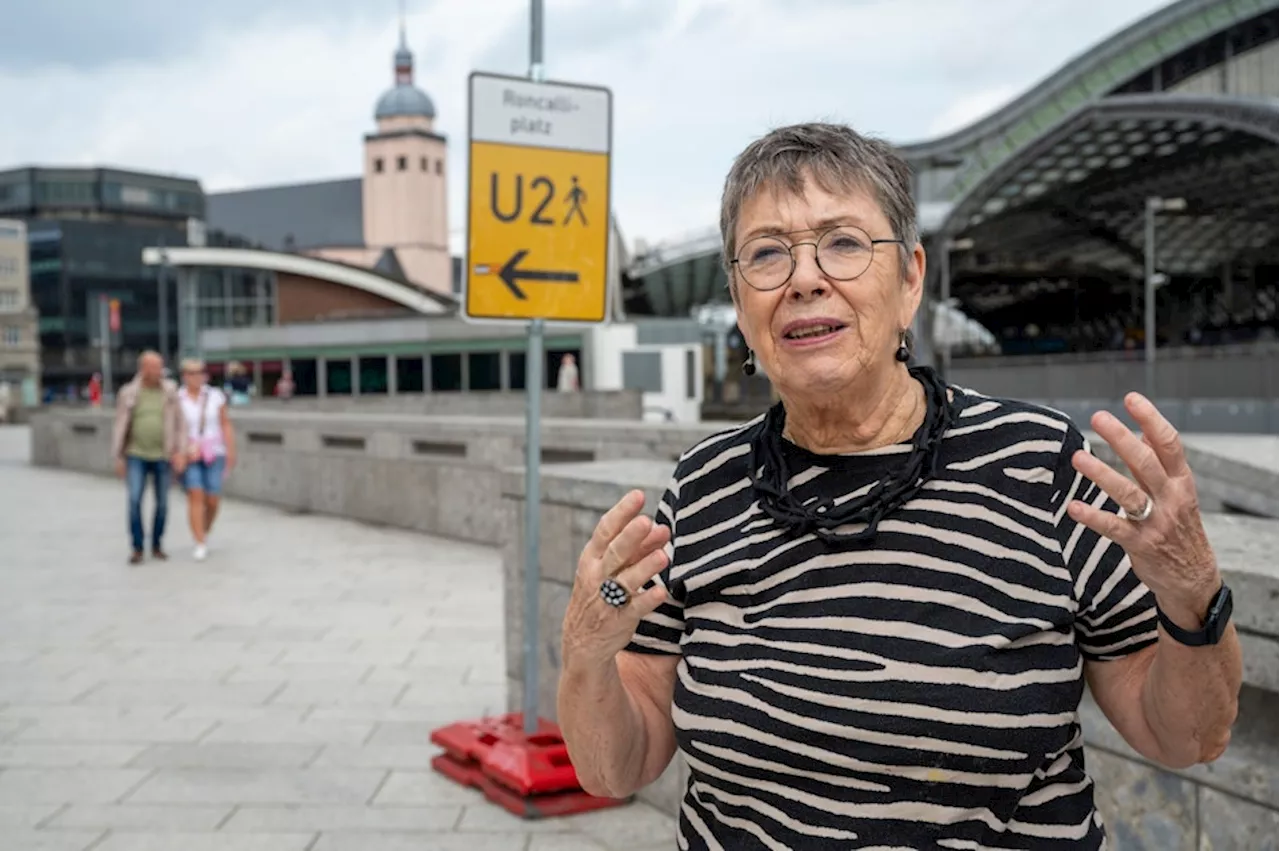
[510,274]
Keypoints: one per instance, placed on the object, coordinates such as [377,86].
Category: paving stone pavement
[277,696]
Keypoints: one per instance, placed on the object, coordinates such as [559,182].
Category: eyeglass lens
[843,253]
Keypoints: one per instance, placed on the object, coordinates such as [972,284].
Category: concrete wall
[1230,804]
[461,477]
[608,405]
[1219,372]
[435,474]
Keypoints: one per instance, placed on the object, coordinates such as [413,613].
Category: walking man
[149,437]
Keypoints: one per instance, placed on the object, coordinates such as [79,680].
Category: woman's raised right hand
[629,547]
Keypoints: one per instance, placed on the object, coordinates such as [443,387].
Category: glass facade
[234,298]
[74,264]
[86,231]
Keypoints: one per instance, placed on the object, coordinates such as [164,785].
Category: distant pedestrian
[285,386]
[148,438]
[211,450]
[95,390]
[567,379]
[239,383]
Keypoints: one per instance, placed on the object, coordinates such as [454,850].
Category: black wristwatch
[1215,622]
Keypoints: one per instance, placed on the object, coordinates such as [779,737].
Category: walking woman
[211,450]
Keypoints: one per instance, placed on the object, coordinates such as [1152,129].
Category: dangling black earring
[903,354]
[749,365]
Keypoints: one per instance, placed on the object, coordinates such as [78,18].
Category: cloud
[93,34]
[245,93]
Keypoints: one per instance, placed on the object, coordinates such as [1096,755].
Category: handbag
[206,446]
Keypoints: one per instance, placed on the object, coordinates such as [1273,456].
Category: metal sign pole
[1149,298]
[162,284]
[104,332]
[533,362]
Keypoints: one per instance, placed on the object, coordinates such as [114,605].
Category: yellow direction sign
[538,200]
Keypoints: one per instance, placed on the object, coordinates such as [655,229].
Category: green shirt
[146,436]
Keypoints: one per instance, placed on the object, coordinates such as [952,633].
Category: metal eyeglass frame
[816,257]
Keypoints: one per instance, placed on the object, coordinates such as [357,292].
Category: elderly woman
[866,618]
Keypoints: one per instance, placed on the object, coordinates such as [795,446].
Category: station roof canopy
[1076,196]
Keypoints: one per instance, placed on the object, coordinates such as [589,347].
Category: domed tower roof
[404,98]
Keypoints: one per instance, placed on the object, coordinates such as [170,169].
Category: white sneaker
[201,552]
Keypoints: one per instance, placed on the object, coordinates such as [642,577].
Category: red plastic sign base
[545,806]
[528,775]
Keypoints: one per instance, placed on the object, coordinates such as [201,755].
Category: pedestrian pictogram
[538,219]
[575,199]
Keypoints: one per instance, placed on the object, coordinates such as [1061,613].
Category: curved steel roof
[1077,194]
[986,143]
[976,157]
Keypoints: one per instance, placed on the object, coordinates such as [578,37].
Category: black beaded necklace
[769,474]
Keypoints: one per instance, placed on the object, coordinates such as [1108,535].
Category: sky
[245,93]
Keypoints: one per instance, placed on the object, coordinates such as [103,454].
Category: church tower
[405,174]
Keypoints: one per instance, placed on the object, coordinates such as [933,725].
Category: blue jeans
[136,474]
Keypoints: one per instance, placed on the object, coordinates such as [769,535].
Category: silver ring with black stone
[613,593]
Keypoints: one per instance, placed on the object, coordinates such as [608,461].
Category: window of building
[8,267]
[373,375]
[439,166]
[484,370]
[137,196]
[8,299]
[446,372]
[516,370]
[377,165]
[338,377]
[425,163]
[402,163]
[12,335]
[64,192]
[409,378]
[15,194]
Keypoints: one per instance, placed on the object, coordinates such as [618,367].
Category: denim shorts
[205,477]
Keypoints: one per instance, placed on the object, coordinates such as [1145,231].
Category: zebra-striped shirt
[917,692]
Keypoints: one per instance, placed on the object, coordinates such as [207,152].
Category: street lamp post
[942,346]
[926,351]
[718,319]
[162,285]
[1151,280]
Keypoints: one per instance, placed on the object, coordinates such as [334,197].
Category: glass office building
[86,229]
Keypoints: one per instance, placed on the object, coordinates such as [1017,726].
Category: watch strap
[1215,622]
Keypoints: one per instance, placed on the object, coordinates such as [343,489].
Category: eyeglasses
[843,253]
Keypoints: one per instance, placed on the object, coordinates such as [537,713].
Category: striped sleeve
[1115,612]
[660,631]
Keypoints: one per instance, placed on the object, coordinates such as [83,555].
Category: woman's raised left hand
[1168,548]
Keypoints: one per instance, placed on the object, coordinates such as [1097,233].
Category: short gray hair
[839,159]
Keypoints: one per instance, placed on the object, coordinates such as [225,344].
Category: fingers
[1105,523]
[1159,434]
[626,548]
[1137,456]
[612,523]
[644,604]
[636,575]
[1121,489]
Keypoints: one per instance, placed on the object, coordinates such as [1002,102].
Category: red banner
[114,315]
